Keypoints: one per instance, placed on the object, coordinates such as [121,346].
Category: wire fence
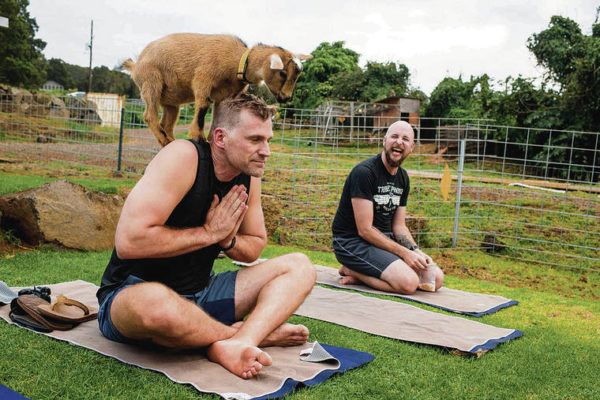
[525,193]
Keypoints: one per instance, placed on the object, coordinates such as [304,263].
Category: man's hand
[224,218]
[427,258]
[415,260]
[225,243]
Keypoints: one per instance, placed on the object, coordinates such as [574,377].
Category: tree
[21,59]
[451,98]
[572,60]
[314,84]
[58,72]
[557,47]
[384,80]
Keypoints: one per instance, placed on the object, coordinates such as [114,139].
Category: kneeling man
[196,199]
[370,236]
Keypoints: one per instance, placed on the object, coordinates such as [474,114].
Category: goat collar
[241,72]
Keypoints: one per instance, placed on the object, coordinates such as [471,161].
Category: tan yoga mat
[458,301]
[401,321]
[453,300]
[192,367]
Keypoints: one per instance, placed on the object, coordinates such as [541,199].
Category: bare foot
[238,357]
[347,278]
[285,335]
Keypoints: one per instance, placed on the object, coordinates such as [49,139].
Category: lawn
[558,357]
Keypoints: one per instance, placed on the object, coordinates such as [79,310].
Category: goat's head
[281,72]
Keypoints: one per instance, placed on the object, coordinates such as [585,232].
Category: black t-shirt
[371,180]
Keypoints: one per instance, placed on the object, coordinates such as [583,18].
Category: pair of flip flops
[37,313]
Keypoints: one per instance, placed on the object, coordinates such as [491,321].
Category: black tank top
[187,273]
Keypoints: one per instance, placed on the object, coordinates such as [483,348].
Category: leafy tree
[384,80]
[451,98]
[21,59]
[58,72]
[314,84]
[558,47]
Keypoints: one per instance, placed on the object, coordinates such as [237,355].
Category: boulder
[82,110]
[62,213]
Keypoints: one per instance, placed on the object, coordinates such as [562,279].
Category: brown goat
[185,67]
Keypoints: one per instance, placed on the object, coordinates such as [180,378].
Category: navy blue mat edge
[493,343]
[468,313]
[7,393]
[348,358]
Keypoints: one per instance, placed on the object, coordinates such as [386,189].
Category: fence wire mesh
[526,193]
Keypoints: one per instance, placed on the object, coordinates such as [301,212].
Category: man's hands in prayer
[225,217]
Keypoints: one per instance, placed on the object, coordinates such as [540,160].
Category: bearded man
[370,236]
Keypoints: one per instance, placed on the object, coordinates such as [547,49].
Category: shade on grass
[559,356]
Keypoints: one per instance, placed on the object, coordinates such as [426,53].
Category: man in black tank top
[196,199]
[370,236]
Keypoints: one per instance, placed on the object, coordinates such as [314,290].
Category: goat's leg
[169,119]
[197,126]
[150,93]
[201,105]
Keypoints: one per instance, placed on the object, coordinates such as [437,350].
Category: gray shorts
[361,256]
[217,299]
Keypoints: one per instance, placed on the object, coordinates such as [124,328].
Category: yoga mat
[453,300]
[401,321]
[191,367]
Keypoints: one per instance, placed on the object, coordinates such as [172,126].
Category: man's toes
[264,359]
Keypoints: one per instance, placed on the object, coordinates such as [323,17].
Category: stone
[62,213]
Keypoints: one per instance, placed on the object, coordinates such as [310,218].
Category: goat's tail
[128,64]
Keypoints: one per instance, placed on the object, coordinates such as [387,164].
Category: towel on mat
[453,300]
[287,371]
[401,321]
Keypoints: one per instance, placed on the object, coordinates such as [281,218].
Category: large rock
[63,213]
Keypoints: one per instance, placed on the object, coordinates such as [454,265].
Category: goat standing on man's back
[184,67]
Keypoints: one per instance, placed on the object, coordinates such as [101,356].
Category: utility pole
[91,46]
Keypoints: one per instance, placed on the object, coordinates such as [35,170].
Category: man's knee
[439,278]
[151,306]
[401,278]
[301,266]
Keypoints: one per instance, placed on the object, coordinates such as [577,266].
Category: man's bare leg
[273,290]
[285,335]
[398,277]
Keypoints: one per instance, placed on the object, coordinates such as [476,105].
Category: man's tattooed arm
[404,241]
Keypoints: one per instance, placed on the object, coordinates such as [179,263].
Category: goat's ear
[304,57]
[276,62]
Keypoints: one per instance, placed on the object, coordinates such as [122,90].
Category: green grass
[11,182]
[559,356]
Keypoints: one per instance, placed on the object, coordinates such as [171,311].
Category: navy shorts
[361,256]
[217,299]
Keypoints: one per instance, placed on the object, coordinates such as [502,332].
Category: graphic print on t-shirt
[387,198]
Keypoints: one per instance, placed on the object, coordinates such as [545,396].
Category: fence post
[461,164]
[120,151]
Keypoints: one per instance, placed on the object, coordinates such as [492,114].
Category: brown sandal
[67,310]
[27,305]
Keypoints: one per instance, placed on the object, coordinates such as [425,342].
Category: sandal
[67,310]
[26,305]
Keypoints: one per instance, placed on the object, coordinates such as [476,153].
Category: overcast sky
[434,38]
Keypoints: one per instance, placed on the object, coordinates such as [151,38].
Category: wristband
[231,245]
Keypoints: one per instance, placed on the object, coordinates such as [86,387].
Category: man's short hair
[227,113]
